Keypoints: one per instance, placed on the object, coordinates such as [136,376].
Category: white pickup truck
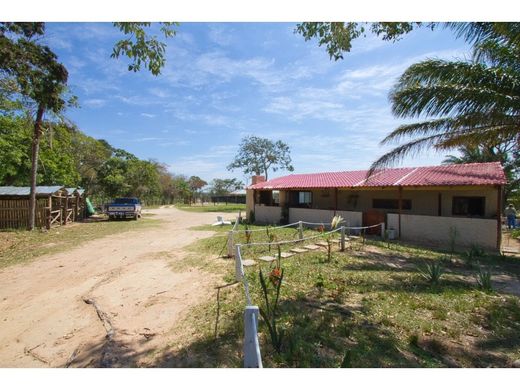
[122,208]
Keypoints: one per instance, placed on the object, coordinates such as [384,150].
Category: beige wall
[324,199]
[436,230]
[250,202]
[268,214]
[424,202]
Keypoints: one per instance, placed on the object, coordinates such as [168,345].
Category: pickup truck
[122,208]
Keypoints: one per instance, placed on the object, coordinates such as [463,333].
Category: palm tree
[465,103]
[505,153]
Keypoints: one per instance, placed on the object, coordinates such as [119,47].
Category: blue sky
[223,81]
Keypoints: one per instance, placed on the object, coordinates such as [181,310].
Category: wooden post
[239,269]
[66,209]
[49,217]
[252,356]
[342,239]
[383,230]
[335,200]
[300,230]
[400,208]
[230,244]
[499,218]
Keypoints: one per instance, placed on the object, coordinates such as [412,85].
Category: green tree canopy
[225,186]
[257,155]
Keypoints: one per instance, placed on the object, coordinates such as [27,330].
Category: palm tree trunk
[34,165]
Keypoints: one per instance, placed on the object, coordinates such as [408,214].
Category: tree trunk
[34,166]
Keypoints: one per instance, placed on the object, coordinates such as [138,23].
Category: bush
[431,271]
[483,278]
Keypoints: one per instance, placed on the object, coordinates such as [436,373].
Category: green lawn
[368,307]
[21,246]
[219,207]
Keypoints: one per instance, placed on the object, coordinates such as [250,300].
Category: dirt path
[46,322]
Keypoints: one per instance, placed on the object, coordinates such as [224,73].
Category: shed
[51,206]
[76,203]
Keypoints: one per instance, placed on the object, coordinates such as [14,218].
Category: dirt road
[105,303]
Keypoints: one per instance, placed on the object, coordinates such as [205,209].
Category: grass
[21,246]
[218,208]
[368,307]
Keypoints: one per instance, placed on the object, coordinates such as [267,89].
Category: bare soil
[110,302]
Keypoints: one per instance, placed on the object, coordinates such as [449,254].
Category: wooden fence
[14,213]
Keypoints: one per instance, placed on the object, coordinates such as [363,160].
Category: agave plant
[431,271]
[483,278]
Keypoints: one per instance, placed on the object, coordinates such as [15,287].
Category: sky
[225,81]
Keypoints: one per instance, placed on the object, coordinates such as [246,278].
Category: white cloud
[147,115]
[94,103]
[220,35]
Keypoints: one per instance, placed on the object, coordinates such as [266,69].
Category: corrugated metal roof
[445,175]
[25,191]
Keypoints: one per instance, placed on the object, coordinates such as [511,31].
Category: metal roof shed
[51,201]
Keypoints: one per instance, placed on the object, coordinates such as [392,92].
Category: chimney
[257,179]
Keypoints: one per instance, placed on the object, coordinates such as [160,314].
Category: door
[373,217]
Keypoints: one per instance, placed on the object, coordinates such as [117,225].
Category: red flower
[275,276]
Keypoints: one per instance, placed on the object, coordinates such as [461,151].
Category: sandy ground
[45,321]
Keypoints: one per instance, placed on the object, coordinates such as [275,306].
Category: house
[422,204]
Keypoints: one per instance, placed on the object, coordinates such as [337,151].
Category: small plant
[453,235]
[269,315]
[248,233]
[320,281]
[473,253]
[271,237]
[432,271]
[483,278]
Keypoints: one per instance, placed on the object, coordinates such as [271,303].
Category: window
[391,204]
[305,197]
[276,198]
[469,206]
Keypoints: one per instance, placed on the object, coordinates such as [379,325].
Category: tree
[142,47]
[506,153]
[195,183]
[469,103]
[221,187]
[257,155]
[338,36]
[39,76]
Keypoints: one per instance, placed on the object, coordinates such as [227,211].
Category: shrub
[483,278]
[473,253]
[431,271]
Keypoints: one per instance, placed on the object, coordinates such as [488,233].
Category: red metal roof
[476,174]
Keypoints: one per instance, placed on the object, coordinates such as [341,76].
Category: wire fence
[251,348]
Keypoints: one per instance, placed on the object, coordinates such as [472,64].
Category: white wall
[268,214]
[310,215]
[436,230]
[353,218]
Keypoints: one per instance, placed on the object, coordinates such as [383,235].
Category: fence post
[252,356]
[343,238]
[300,229]
[383,230]
[230,244]
[239,269]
